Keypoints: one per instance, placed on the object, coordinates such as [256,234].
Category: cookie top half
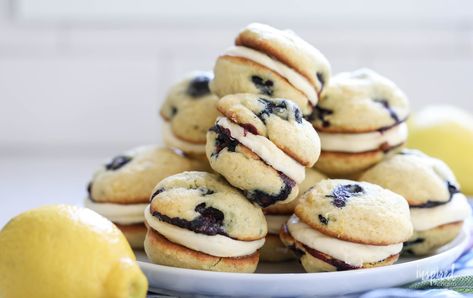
[129,178]
[190,107]
[279,120]
[356,211]
[288,48]
[422,180]
[360,101]
[205,203]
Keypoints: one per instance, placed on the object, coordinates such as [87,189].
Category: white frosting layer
[275,222]
[361,142]
[297,80]
[266,150]
[172,141]
[118,213]
[216,245]
[457,209]
[354,254]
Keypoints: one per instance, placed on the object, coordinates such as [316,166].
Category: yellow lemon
[66,251]
[446,132]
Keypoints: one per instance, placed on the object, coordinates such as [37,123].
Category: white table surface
[29,182]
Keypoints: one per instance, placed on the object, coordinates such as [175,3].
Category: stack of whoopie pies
[271,159]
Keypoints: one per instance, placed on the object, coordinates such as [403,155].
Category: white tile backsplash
[95,101]
[78,86]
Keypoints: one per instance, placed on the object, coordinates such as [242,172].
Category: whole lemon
[67,251]
[446,132]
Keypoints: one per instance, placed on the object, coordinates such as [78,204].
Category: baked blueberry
[199,86]
[265,87]
[117,162]
[341,193]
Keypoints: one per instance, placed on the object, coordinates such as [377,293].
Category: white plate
[274,280]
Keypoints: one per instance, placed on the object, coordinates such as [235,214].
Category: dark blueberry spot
[205,191]
[265,87]
[321,79]
[210,215]
[340,265]
[223,140]
[452,189]
[298,252]
[413,242]
[298,116]
[264,199]
[321,114]
[342,193]
[323,219]
[386,105]
[247,127]
[173,111]
[199,86]
[118,162]
[89,189]
[209,222]
[270,107]
[157,192]
[429,204]
[278,108]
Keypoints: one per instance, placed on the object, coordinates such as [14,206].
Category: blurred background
[82,80]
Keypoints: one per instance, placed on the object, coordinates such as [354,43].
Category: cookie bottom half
[316,261]
[164,252]
[425,242]
[344,164]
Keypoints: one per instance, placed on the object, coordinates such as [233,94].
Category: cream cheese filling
[174,142]
[457,209]
[266,150]
[216,245]
[295,79]
[275,222]
[361,142]
[354,254]
[125,214]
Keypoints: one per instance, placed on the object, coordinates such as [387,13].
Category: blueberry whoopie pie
[196,220]
[360,119]
[189,111]
[438,209]
[272,62]
[120,189]
[343,225]
[277,215]
[262,146]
